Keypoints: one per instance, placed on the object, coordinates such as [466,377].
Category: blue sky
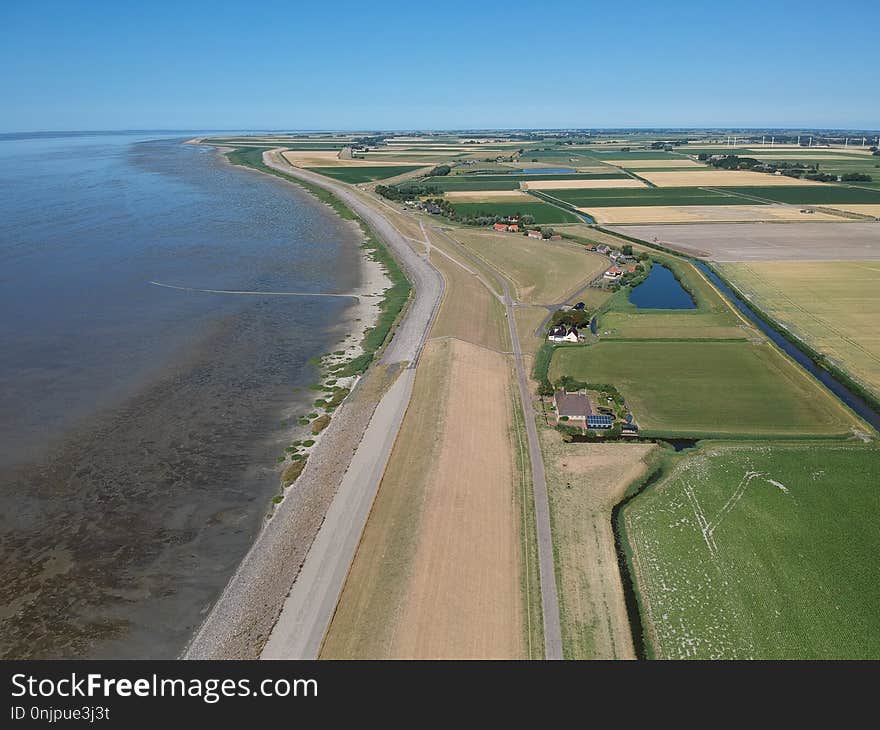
[398,65]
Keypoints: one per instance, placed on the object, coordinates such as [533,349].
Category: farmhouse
[500,227]
[561,333]
[535,234]
[572,407]
[603,249]
[613,273]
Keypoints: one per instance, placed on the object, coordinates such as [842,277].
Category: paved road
[310,605]
[546,569]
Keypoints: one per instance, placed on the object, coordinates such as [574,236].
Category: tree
[627,249]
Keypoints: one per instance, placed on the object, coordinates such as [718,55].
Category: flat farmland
[541,212]
[438,573]
[620,158]
[584,483]
[647,196]
[722,178]
[363,174]
[833,306]
[701,387]
[813,194]
[682,162]
[760,552]
[469,311]
[326,159]
[625,182]
[511,181]
[872,209]
[853,240]
[542,272]
[639,214]
[487,196]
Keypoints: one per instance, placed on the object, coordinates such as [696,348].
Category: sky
[95,65]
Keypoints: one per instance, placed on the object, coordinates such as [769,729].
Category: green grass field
[828,194]
[617,197]
[508,182]
[356,175]
[631,155]
[542,212]
[703,387]
[762,551]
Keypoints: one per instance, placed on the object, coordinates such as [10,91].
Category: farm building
[500,226]
[535,234]
[599,421]
[561,333]
[572,407]
[613,273]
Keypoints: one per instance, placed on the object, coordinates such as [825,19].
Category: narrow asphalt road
[311,603]
[546,568]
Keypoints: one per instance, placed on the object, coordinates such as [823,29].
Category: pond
[546,171]
[661,290]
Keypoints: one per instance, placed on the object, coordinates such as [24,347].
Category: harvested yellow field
[487,196]
[528,319]
[329,158]
[860,208]
[623,182]
[650,164]
[464,599]
[438,572]
[542,272]
[585,482]
[716,178]
[833,306]
[469,311]
[703,214]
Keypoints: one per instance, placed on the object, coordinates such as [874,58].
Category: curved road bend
[546,565]
[309,607]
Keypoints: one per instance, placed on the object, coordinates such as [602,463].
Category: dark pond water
[661,290]
[548,171]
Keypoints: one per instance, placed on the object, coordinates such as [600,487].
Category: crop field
[722,178]
[541,212]
[850,240]
[626,182]
[509,181]
[542,272]
[364,174]
[827,194]
[584,482]
[488,196]
[647,196]
[653,164]
[833,306]
[860,208]
[635,215]
[701,387]
[760,552]
[620,157]
[438,573]
[469,311]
